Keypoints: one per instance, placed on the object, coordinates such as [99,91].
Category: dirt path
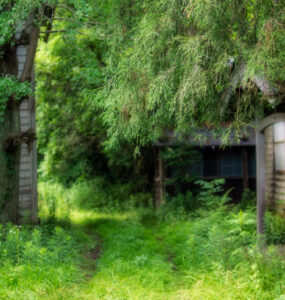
[92,256]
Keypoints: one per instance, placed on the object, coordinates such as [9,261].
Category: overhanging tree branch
[64,31]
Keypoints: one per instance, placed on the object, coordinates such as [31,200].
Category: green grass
[140,254]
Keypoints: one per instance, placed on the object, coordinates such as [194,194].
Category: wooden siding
[27,205]
[275,181]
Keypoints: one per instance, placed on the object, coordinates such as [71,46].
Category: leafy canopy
[168,64]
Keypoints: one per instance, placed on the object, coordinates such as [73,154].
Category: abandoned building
[257,163]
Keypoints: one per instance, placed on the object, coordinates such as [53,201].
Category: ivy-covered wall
[17,50]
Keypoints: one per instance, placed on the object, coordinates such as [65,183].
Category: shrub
[274,229]
[56,201]
[248,199]
[209,196]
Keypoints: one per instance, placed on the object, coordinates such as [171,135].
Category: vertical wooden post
[260,172]
[34,179]
[159,179]
[245,176]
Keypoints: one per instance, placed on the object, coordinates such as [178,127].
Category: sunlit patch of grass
[142,255]
[217,261]
[37,262]
[197,258]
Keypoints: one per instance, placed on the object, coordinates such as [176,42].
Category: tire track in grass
[170,257]
[92,256]
[148,222]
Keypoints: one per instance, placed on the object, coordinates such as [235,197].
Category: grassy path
[134,263]
[143,258]
[132,256]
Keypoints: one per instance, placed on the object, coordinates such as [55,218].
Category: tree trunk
[18,196]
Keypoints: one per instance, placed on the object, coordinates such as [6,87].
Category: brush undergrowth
[211,253]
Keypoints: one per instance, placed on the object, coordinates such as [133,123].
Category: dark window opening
[231,164]
[251,163]
[211,164]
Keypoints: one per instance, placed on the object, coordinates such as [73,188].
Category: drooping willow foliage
[170,64]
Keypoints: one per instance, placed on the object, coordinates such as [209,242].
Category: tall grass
[41,262]
[144,254]
[55,201]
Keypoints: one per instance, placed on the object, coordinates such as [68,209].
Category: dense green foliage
[38,262]
[69,129]
[149,66]
[168,64]
[10,87]
[12,13]
[141,254]
[96,195]
[178,160]
[118,73]
[71,132]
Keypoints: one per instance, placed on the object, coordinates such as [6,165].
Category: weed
[211,253]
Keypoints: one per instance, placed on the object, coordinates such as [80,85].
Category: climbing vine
[12,13]
[11,87]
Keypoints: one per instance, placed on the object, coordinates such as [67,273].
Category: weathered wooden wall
[269,167]
[275,180]
[27,205]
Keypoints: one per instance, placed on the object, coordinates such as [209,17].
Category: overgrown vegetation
[123,72]
[168,62]
[211,253]
[112,77]
[43,261]
[10,87]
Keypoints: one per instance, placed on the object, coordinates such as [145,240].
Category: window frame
[278,141]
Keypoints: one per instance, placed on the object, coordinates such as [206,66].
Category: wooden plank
[279,190]
[25,187]
[25,159]
[25,174]
[25,127]
[245,177]
[21,59]
[24,197]
[25,181]
[279,178]
[34,206]
[24,105]
[25,120]
[22,50]
[260,170]
[25,191]
[24,114]
[25,167]
[24,206]
[280,184]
